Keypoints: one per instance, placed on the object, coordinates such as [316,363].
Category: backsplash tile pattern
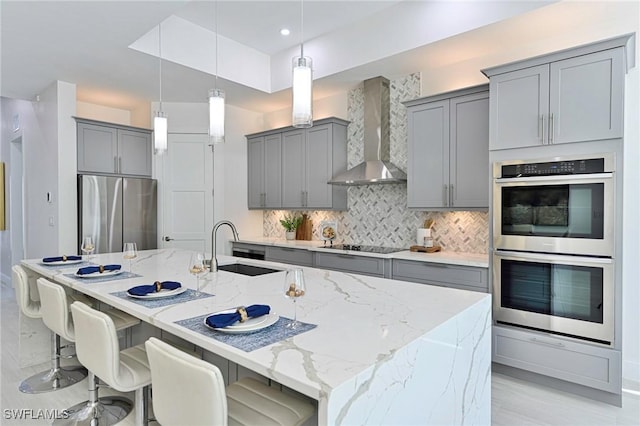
[378,214]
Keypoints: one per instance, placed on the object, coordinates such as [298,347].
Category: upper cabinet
[107,148]
[292,171]
[575,95]
[448,147]
[265,159]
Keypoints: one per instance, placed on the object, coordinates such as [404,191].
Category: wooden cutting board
[305,230]
[425,249]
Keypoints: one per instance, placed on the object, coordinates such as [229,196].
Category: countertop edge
[479,260]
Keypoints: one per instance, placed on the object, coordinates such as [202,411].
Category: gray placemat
[122,276]
[248,342]
[187,296]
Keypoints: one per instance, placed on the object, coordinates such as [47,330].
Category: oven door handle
[553,258]
[555,178]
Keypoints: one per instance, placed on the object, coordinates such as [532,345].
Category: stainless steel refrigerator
[115,210]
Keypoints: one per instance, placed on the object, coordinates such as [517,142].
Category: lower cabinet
[351,263]
[583,364]
[441,274]
[302,257]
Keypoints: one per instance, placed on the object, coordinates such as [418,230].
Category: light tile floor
[514,402]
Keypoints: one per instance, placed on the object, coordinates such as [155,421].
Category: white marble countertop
[450,257]
[361,321]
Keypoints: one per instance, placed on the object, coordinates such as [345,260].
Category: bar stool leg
[57,377]
[104,411]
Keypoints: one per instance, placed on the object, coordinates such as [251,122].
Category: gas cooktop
[368,249]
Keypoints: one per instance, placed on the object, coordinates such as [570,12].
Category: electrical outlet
[51,221]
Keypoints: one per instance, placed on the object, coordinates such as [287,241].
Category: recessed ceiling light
[285,31]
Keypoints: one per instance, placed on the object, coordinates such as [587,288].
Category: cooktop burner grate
[363,248]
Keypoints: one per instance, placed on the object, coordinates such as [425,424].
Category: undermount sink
[250,270]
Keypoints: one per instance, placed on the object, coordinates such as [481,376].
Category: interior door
[187,176]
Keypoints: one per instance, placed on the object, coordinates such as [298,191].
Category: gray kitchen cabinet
[293,256]
[264,155]
[584,364]
[107,148]
[448,146]
[572,96]
[441,274]
[308,159]
[351,263]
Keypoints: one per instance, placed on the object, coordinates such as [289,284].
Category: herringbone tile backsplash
[378,214]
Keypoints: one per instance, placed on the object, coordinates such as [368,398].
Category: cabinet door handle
[306,198]
[346,256]
[302,198]
[451,195]
[445,195]
[115,164]
[551,128]
[167,238]
[541,129]
[544,342]
[119,164]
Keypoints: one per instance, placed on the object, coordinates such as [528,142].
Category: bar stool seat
[190,391]
[98,350]
[56,377]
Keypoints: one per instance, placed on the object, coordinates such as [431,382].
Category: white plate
[97,274]
[160,294]
[250,325]
[62,262]
[328,230]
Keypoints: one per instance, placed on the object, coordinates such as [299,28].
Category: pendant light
[302,84]
[216,101]
[160,126]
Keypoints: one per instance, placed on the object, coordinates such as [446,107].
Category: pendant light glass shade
[160,132]
[216,116]
[302,92]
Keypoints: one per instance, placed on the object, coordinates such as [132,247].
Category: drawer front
[583,364]
[290,255]
[247,246]
[464,277]
[351,263]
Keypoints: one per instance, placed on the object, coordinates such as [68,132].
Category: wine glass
[87,246]
[197,268]
[130,252]
[293,289]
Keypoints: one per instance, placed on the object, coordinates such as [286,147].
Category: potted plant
[290,222]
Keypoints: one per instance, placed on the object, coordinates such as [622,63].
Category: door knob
[166,238]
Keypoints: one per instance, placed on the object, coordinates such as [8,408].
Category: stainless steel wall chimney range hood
[377,167]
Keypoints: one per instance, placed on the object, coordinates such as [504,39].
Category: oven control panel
[573,167]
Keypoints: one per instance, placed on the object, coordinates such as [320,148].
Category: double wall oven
[553,241]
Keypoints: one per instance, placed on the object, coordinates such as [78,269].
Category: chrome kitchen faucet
[213,263]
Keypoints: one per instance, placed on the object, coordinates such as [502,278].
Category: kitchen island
[382,352]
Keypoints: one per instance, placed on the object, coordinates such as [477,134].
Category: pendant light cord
[160,60]
[302,29]
[215,10]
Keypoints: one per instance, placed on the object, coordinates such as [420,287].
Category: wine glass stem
[129,265]
[295,312]
[197,285]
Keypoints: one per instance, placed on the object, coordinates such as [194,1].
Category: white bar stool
[190,391]
[56,316]
[98,349]
[57,377]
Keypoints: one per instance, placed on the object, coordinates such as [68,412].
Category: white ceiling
[89,43]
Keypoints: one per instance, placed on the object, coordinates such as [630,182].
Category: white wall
[330,106]
[103,113]
[67,169]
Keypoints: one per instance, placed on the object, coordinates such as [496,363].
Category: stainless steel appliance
[560,205]
[566,295]
[114,210]
[553,238]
